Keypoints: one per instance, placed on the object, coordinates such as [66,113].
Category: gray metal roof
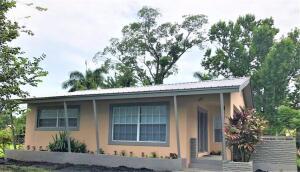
[211,86]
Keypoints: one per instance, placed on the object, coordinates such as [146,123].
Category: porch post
[223,127]
[177,126]
[67,126]
[96,125]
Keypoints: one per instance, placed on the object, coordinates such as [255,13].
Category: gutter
[144,94]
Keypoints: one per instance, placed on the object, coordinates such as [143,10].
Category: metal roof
[211,86]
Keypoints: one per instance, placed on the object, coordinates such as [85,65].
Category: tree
[152,49]
[89,80]
[239,47]
[289,118]
[247,48]
[16,70]
[271,81]
[201,76]
[244,131]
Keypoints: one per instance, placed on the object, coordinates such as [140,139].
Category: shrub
[101,151]
[123,153]
[243,132]
[5,140]
[60,144]
[153,155]
[173,156]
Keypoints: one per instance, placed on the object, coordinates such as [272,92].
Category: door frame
[202,110]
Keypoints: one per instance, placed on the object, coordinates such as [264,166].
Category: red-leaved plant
[243,132]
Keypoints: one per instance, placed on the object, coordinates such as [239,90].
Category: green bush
[5,140]
[243,132]
[60,144]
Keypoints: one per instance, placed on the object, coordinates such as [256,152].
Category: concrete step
[205,165]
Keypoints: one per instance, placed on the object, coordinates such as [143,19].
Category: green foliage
[244,131]
[293,99]
[203,76]
[289,118]
[5,140]
[148,51]
[60,144]
[16,70]
[240,47]
[247,47]
[298,162]
[271,81]
[91,79]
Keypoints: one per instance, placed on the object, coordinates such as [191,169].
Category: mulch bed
[71,167]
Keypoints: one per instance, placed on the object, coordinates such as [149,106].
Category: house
[184,118]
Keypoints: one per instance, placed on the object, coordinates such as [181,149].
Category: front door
[202,130]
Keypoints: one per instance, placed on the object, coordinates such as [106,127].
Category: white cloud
[70,32]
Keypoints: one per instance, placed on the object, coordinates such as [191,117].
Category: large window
[217,128]
[139,123]
[54,117]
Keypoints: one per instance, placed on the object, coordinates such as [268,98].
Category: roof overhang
[139,94]
[130,95]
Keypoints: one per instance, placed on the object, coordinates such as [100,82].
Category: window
[217,128]
[139,123]
[54,117]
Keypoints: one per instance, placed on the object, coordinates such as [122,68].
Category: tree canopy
[90,80]
[247,47]
[239,48]
[16,69]
[148,51]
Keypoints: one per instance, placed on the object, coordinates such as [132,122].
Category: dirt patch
[70,167]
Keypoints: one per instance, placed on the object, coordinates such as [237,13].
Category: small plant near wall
[215,153]
[173,156]
[28,147]
[131,154]
[123,153]
[143,154]
[153,155]
[115,152]
[60,144]
[243,132]
[101,151]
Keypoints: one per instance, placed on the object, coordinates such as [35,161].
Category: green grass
[15,168]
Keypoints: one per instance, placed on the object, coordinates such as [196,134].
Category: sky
[71,32]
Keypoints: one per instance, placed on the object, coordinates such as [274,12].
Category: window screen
[218,128]
[142,123]
[54,117]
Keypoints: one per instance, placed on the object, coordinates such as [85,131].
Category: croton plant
[243,131]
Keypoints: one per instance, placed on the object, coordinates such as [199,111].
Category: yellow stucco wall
[187,109]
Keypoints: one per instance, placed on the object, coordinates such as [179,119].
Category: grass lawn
[15,168]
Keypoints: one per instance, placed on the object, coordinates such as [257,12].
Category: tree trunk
[13,131]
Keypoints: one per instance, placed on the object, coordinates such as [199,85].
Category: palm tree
[91,80]
[203,76]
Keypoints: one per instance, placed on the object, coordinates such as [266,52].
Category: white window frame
[138,141]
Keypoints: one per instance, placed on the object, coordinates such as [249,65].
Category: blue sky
[71,32]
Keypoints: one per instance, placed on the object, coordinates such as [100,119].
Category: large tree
[149,50]
[247,48]
[271,82]
[239,48]
[16,70]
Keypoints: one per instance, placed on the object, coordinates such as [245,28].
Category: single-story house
[141,120]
